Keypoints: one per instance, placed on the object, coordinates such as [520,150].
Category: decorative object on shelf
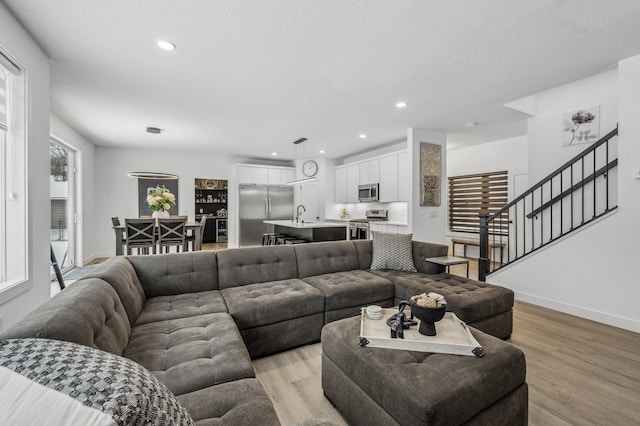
[430,174]
[310,168]
[581,126]
[160,201]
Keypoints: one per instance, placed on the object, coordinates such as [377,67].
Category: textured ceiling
[249,77]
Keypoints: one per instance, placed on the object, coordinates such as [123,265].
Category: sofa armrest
[422,250]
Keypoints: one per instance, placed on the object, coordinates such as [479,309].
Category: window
[473,194]
[13,194]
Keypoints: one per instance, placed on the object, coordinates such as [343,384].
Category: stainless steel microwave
[367,193]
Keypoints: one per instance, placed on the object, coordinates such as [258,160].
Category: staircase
[579,192]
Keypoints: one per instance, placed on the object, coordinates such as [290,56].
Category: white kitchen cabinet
[274,176]
[389,228]
[261,175]
[369,172]
[288,175]
[341,185]
[388,179]
[404,177]
[353,178]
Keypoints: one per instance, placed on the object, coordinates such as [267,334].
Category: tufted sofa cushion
[88,312]
[185,305]
[169,274]
[254,305]
[326,257]
[238,403]
[351,288]
[252,265]
[189,354]
[119,273]
[470,300]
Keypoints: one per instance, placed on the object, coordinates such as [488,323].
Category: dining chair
[192,238]
[141,235]
[172,232]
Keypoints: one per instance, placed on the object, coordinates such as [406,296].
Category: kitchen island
[310,231]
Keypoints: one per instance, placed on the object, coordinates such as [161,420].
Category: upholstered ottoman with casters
[374,386]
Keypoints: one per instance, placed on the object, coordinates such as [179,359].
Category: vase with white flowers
[160,201]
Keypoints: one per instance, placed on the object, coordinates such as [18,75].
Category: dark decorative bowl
[427,317]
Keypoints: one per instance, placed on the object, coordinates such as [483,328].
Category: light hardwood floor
[579,373]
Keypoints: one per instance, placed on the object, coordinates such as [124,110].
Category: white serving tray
[453,335]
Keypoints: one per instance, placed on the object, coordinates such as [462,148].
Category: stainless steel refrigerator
[259,203]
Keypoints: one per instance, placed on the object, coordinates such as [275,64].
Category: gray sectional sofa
[196,319]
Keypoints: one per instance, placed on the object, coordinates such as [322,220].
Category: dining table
[194,227]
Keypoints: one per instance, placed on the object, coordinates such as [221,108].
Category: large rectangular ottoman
[373,386]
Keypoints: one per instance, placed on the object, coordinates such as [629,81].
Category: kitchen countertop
[303,225]
[384,222]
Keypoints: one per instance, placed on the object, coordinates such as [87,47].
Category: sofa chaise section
[272,307]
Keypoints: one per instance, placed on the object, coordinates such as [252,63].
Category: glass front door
[62,204]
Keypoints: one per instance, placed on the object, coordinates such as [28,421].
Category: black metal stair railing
[577,193]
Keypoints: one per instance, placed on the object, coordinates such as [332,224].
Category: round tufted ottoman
[373,386]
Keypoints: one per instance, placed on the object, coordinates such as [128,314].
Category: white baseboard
[579,311]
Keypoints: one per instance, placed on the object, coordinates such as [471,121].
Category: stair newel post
[483,259]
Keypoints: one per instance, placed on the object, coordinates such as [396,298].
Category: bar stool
[282,239]
[295,241]
[269,238]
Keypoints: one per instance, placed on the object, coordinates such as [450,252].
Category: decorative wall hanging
[144,185]
[581,126]
[430,174]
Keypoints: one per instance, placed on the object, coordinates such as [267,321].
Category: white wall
[427,223]
[116,194]
[85,243]
[546,152]
[591,273]
[14,304]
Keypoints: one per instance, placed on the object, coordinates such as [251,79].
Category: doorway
[62,194]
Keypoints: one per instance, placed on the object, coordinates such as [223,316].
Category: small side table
[448,261]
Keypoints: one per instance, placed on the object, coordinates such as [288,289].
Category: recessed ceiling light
[154,130]
[322,151]
[363,136]
[166,45]
[471,124]
[401,104]
[274,153]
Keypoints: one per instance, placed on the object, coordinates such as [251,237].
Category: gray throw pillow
[114,385]
[392,251]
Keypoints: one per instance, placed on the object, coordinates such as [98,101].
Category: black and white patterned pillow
[392,251]
[117,386]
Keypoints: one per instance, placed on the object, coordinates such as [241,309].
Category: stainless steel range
[359,228]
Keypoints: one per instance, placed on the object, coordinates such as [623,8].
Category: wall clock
[310,168]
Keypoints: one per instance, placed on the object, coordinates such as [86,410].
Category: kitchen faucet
[298,212]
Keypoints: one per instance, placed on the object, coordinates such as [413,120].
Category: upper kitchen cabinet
[404,177]
[388,191]
[341,185]
[391,172]
[265,175]
[369,172]
[353,177]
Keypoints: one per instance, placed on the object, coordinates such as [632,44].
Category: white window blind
[472,194]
